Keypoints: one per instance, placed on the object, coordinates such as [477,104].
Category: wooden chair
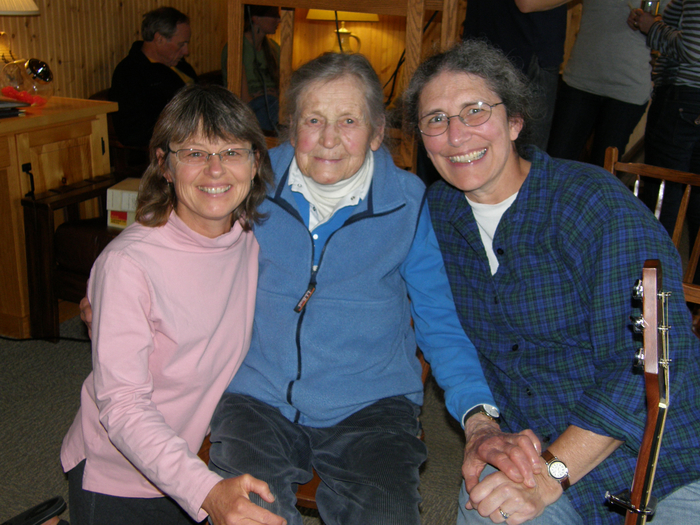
[59,261]
[306,494]
[614,166]
[413,10]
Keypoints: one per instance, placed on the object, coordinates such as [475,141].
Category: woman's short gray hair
[477,57]
[329,67]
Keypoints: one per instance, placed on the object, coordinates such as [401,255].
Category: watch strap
[479,409]
[549,458]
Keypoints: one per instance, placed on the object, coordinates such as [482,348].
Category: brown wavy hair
[214,113]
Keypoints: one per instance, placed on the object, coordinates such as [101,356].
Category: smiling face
[481,160]
[208,194]
[171,50]
[333,133]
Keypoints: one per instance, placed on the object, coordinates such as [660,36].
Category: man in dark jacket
[155,69]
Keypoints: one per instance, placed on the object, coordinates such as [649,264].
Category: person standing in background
[606,84]
[672,138]
[531,33]
[260,79]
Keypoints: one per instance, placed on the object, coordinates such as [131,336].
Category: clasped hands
[521,488]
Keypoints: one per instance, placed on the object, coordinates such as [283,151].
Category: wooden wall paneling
[235,45]
[285,32]
[449,28]
[84,40]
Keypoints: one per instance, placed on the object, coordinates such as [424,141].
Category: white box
[121,203]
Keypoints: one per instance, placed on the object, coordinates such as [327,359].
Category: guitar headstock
[653,323]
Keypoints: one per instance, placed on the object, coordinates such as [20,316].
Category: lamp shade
[18,8]
[346,16]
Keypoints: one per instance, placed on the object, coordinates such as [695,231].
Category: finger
[259,487]
[518,468]
[471,472]
[488,488]
[249,512]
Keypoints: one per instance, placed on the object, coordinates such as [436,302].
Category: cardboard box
[121,203]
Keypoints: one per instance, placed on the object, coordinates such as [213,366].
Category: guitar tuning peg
[639,358]
[638,290]
[638,324]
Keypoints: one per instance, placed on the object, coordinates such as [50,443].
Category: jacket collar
[381,198]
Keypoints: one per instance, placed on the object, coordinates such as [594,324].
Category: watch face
[558,470]
[491,412]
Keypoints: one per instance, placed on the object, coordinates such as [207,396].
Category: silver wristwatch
[489,411]
[557,469]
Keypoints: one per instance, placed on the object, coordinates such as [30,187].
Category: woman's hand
[517,455]
[641,20]
[496,497]
[228,502]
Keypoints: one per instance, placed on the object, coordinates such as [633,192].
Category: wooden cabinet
[62,143]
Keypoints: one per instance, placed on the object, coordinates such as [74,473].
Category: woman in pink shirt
[173,299]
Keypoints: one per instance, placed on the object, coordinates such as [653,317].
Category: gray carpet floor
[40,393]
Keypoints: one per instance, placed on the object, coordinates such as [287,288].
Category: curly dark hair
[215,113]
[477,57]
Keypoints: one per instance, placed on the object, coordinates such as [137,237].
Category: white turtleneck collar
[325,199]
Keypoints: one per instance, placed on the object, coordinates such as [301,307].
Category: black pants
[368,463]
[93,508]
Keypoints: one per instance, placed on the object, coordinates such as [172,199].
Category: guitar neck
[655,314]
[639,502]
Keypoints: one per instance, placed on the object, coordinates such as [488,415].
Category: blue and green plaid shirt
[552,326]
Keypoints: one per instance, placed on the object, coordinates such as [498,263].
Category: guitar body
[653,356]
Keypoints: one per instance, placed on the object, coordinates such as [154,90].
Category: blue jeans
[578,114]
[672,140]
[678,508]
[368,463]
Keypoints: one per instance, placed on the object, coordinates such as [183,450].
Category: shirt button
[500,251]
[315,236]
[495,300]
[528,392]
[514,348]
[546,439]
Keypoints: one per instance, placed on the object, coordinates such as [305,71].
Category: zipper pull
[305,298]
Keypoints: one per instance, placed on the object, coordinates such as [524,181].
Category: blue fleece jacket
[351,344]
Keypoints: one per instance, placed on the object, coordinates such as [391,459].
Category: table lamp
[13,8]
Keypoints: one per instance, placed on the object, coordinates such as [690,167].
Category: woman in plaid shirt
[542,255]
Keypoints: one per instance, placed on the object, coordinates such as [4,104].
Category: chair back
[690,180]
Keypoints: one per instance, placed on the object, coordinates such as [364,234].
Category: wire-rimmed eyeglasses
[229,156]
[472,115]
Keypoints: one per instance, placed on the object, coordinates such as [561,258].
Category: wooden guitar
[653,357]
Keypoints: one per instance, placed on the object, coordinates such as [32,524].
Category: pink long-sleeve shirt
[172,320]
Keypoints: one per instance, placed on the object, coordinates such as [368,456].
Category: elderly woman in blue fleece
[331,381]
[348,257]
[542,255]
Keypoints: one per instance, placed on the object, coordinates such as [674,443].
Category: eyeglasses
[197,157]
[471,115]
